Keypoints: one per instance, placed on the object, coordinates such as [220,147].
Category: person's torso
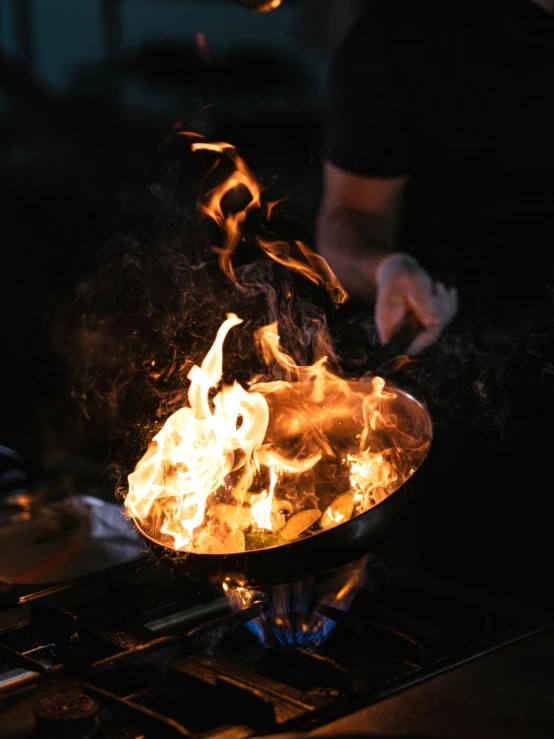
[486,190]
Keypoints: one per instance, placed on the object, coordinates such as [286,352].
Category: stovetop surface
[135,652]
[504,694]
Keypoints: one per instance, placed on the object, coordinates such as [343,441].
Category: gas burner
[143,653]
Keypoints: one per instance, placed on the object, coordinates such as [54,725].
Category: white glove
[404,287]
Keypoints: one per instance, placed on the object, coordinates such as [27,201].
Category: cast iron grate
[100,666]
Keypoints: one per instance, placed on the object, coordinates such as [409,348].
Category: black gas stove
[132,651]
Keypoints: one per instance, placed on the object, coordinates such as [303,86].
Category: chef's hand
[403,287]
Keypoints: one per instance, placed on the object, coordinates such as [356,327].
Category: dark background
[88,93]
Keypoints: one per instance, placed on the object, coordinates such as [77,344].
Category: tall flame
[212,206]
[294,441]
[308,263]
[242,469]
[196,450]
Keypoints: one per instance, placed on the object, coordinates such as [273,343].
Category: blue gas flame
[291,619]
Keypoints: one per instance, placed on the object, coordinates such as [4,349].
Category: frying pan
[331,548]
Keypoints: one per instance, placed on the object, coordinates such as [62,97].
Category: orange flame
[195,488]
[271,205]
[261,509]
[230,224]
[196,450]
[308,263]
[243,469]
[315,269]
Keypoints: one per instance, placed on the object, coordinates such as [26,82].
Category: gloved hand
[404,287]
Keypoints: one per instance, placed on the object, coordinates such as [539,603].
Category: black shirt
[460,97]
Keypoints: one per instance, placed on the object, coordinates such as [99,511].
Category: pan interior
[302,425]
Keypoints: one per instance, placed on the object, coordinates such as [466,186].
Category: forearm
[354,243]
